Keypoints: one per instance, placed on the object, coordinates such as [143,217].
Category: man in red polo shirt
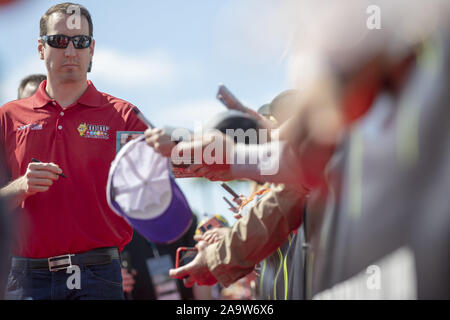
[69,127]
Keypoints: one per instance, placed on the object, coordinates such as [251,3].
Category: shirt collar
[91,97]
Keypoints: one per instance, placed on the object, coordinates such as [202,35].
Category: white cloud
[110,67]
[132,70]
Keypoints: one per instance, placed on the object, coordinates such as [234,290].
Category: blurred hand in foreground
[212,236]
[195,272]
[212,151]
[128,280]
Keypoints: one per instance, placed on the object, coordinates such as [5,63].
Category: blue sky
[167,58]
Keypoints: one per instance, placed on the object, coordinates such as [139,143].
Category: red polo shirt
[73,215]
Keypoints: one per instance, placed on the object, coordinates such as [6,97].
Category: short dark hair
[62,8]
[33,78]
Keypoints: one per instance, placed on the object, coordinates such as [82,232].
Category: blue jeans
[96,282]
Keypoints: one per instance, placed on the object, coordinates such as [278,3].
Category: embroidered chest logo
[93,131]
[32,126]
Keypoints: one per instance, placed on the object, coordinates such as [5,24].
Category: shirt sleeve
[132,121]
[256,235]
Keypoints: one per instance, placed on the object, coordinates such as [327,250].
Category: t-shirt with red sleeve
[73,215]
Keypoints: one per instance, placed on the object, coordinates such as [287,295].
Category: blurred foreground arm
[297,153]
[251,239]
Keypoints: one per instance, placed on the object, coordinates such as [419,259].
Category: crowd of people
[349,184]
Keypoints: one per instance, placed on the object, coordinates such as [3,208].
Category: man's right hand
[39,177]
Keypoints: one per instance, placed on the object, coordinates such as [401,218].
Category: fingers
[37,182]
[201,245]
[180,272]
[127,289]
[192,267]
[128,285]
[36,189]
[183,271]
[208,233]
[196,271]
[211,237]
[151,132]
[31,188]
[128,280]
[208,238]
[40,176]
[127,275]
[159,140]
[44,167]
[152,136]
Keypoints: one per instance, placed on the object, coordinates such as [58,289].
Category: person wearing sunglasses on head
[68,240]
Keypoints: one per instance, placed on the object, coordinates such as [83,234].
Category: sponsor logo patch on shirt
[32,126]
[93,131]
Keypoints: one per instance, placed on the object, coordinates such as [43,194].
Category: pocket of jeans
[107,273]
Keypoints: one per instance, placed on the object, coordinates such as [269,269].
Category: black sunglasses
[61,41]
